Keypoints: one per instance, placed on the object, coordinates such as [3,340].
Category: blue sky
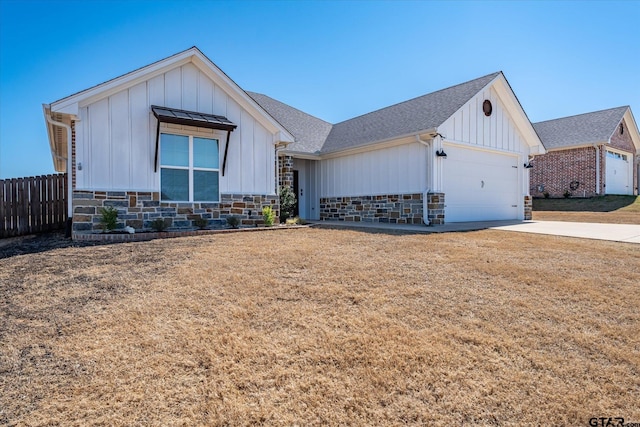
[332,59]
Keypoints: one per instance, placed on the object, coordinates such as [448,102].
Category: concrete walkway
[629,233]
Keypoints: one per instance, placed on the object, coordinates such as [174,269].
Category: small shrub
[233,221]
[546,194]
[109,218]
[296,221]
[201,223]
[269,216]
[287,203]
[159,224]
[567,194]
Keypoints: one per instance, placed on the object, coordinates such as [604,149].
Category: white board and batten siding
[394,170]
[483,176]
[115,137]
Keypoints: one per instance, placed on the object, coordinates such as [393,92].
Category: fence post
[3,210]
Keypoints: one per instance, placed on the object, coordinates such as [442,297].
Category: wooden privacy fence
[33,204]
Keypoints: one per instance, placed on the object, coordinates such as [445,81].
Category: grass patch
[325,327]
[604,209]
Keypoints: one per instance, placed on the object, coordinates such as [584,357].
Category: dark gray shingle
[310,132]
[587,128]
[415,115]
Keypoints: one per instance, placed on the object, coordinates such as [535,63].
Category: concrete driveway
[628,233]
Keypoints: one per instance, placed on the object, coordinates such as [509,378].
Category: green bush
[567,194]
[287,203]
[269,216]
[201,223]
[159,224]
[233,221]
[109,218]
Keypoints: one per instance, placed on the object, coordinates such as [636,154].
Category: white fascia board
[240,96]
[518,115]
[378,145]
[632,128]
[71,104]
[300,155]
[117,84]
[573,147]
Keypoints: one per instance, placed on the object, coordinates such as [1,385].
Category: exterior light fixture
[528,165]
[441,153]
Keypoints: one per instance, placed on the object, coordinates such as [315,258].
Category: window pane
[205,153]
[174,184]
[174,150]
[205,186]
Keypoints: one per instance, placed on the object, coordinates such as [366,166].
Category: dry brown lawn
[605,209]
[322,327]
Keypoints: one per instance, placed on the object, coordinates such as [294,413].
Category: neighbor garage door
[618,179]
[480,185]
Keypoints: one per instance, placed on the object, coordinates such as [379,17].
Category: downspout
[69,171]
[425,204]
[597,147]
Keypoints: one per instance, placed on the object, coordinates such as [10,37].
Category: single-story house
[588,155]
[178,139]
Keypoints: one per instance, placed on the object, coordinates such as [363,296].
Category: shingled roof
[415,115]
[310,132]
[412,116]
[582,129]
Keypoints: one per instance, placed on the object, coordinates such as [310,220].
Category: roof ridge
[421,96]
[582,114]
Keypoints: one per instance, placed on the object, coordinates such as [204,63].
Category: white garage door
[480,185]
[618,179]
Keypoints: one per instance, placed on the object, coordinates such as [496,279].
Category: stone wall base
[528,208]
[391,208]
[435,208]
[138,209]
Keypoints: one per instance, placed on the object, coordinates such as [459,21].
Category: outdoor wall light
[441,153]
[528,165]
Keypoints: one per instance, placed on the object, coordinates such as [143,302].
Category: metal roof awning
[192,118]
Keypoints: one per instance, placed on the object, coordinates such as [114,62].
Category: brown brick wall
[558,169]
[622,141]
[73,155]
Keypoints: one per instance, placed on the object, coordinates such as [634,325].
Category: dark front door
[296,186]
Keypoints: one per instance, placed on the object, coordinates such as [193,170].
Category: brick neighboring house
[588,155]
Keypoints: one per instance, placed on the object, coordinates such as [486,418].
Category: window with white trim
[614,155]
[189,168]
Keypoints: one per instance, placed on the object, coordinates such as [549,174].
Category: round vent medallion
[487,107]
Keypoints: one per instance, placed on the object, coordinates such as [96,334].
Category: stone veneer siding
[138,209]
[394,208]
[528,208]
[435,208]
[285,165]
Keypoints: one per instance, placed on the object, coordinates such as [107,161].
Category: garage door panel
[480,186]
[618,177]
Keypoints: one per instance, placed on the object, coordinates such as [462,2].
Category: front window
[189,168]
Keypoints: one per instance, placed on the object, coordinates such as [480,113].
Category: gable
[418,115]
[580,130]
[191,82]
[506,128]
